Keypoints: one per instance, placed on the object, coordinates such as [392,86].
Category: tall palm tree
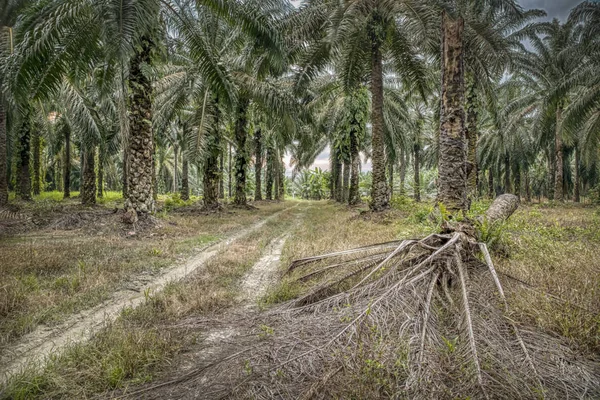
[359,35]
[9,11]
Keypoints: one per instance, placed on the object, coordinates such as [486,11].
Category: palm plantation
[160,160]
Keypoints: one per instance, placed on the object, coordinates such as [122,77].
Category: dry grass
[48,274]
[551,248]
[555,249]
[134,348]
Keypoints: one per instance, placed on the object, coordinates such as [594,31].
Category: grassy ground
[50,273]
[132,349]
[553,248]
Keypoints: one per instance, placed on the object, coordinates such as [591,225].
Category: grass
[554,248]
[49,275]
[133,349]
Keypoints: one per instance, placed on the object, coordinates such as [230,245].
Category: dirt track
[34,347]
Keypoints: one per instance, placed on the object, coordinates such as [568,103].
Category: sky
[554,8]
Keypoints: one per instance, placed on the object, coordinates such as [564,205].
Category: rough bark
[154,172]
[346,181]
[258,150]
[577,178]
[101,156]
[502,208]
[277,178]
[471,136]
[140,147]
[558,158]
[241,158]
[507,186]
[3,157]
[353,194]
[452,181]
[125,172]
[517,180]
[175,168]
[229,177]
[67,164]
[269,178]
[36,150]
[417,168]
[391,178]
[185,179]
[23,173]
[332,180]
[339,180]
[281,186]
[490,184]
[527,185]
[211,166]
[402,171]
[88,185]
[221,174]
[379,190]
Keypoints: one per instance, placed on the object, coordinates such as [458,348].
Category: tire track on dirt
[35,347]
[226,334]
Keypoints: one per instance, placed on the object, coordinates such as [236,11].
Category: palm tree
[387,30]
[8,14]
[544,70]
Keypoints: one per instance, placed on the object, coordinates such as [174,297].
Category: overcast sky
[554,8]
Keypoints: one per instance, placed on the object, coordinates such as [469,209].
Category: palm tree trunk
[577,178]
[452,191]
[221,175]
[490,183]
[67,164]
[277,177]
[36,160]
[258,165]
[517,180]
[241,158]
[175,168]
[211,167]
[211,180]
[507,188]
[23,175]
[558,154]
[140,146]
[353,195]
[269,174]
[126,172]
[346,182]
[402,170]
[471,136]
[281,186]
[185,179]
[333,167]
[391,179]
[379,189]
[339,179]
[229,178]
[154,177]
[527,186]
[88,186]
[3,157]
[417,162]
[101,156]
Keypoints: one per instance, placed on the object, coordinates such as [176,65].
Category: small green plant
[265,331]
[492,234]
